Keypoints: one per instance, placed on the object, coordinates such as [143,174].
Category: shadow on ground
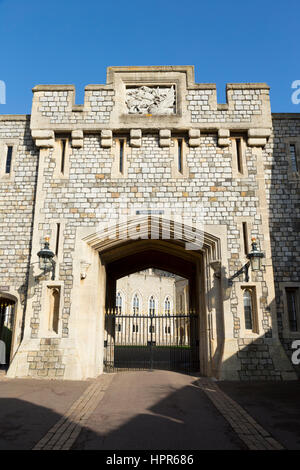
[153,415]
[145,411]
[275,405]
[139,411]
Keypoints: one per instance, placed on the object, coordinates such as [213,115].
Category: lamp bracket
[244,269]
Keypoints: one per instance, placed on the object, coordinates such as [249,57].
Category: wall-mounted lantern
[254,260]
[255,256]
[46,262]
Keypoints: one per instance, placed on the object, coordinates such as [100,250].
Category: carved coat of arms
[146,100]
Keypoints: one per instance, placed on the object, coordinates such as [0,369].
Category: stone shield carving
[147,100]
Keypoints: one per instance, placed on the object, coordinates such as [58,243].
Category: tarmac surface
[29,407]
[275,405]
[146,410]
[156,410]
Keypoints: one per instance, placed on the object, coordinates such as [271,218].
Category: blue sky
[73,42]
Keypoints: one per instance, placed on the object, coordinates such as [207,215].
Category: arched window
[167,306]
[53,312]
[151,305]
[136,305]
[119,303]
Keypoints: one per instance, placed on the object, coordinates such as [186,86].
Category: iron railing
[168,342]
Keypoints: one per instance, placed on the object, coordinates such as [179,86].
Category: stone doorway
[164,256]
[104,258]
[7,317]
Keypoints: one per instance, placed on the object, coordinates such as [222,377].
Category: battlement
[156,97]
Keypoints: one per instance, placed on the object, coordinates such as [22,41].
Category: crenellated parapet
[160,98]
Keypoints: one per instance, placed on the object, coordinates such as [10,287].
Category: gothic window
[245,237]
[292,307]
[238,152]
[61,152]
[293,157]
[167,306]
[152,306]
[179,155]
[63,145]
[120,146]
[238,149]
[54,293]
[250,310]
[136,304]
[121,155]
[8,159]
[179,151]
[119,303]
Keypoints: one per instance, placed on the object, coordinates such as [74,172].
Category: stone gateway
[124,183]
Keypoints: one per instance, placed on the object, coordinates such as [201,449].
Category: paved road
[275,405]
[148,410]
[156,410]
[29,408]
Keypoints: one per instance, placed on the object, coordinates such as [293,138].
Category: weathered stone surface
[264,194]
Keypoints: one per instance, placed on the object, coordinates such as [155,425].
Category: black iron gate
[169,342]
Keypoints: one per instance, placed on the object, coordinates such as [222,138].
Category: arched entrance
[152,339]
[112,255]
[7,319]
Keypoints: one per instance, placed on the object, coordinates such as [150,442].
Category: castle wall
[282,187]
[17,196]
[74,200]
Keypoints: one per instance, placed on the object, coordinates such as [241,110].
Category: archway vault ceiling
[123,254]
[134,235]
[150,257]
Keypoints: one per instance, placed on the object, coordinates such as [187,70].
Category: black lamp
[254,258]
[46,262]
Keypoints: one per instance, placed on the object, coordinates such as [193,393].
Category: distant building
[152,292]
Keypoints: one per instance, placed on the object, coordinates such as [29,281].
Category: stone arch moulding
[108,252]
[17,320]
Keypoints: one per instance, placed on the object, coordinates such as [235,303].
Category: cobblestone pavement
[249,431]
[152,410]
[276,406]
[130,410]
[65,432]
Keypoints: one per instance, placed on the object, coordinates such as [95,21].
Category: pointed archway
[129,248]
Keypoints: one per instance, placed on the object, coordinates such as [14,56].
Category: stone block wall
[283,189]
[56,105]
[47,361]
[242,104]
[17,196]
[262,195]
[225,198]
